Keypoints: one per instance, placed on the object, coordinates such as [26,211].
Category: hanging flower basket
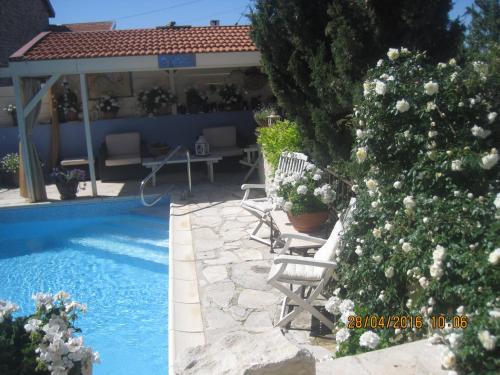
[308,222]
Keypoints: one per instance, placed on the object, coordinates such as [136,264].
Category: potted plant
[305,197]
[152,101]
[9,165]
[232,97]
[67,104]
[11,110]
[109,106]
[44,343]
[67,182]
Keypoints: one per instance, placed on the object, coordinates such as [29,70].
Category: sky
[150,13]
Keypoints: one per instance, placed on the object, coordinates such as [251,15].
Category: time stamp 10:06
[406,321]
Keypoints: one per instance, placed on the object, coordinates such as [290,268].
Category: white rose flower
[488,341]
[397,185]
[393,54]
[361,154]
[424,283]
[439,253]
[288,206]
[367,88]
[425,220]
[374,204]
[344,318]
[409,202]
[369,339]
[388,226]
[377,258]
[431,88]
[496,202]
[479,132]
[494,314]
[432,133]
[491,117]
[377,233]
[448,359]
[333,304]
[316,177]
[302,190]
[380,62]
[453,76]
[389,272]
[489,161]
[371,184]
[380,87]
[406,247]
[342,335]
[494,257]
[402,105]
[456,165]
[460,310]
[358,251]
[346,306]
[452,62]
[441,65]
[436,271]
[360,133]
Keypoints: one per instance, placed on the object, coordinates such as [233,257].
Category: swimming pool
[111,255]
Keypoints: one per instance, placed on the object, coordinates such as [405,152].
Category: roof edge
[19,54]
[50,8]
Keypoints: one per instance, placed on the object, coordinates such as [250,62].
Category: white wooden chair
[289,162]
[307,274]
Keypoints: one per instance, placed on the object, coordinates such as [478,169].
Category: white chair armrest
[252,186]
[303,260]
[303,236]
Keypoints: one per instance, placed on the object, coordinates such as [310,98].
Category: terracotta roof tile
[139,42]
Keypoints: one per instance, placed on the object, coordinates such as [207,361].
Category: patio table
[152,162]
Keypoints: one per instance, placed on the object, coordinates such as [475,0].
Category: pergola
[39,64]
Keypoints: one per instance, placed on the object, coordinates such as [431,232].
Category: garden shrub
[282,136]
[424,240]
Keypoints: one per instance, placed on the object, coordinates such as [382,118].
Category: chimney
[214,22]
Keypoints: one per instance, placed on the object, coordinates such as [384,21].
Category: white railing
[153,173]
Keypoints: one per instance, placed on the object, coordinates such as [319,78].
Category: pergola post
[21,125]
[88,134]
[171,80]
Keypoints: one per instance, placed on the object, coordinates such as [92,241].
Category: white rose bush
[45,342]
[424,240]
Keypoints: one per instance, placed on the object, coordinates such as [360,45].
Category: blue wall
[173,130]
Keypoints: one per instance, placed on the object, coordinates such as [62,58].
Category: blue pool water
[111,255]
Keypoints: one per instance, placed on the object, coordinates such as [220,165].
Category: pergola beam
[40,94]
[88,134]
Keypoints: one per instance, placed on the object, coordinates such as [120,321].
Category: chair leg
[303,304]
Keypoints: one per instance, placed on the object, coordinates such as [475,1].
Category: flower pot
[11,179]
[309,222]
[67,189]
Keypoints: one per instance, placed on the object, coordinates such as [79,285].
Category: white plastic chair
[289,162]
[307,273]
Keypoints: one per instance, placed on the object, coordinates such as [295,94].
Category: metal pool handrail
[150,176]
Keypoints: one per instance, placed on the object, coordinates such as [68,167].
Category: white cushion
[298,272]
[224,136]
[115,161]
[69,162]
[226,151]
[327,251]
[262,205]
[123,144]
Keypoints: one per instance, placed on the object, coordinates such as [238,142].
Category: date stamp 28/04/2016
[405,321]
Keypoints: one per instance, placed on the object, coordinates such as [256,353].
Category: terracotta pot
[67,189]
[308,223]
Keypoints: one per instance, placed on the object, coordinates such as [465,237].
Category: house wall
[20,21]
[173,130]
